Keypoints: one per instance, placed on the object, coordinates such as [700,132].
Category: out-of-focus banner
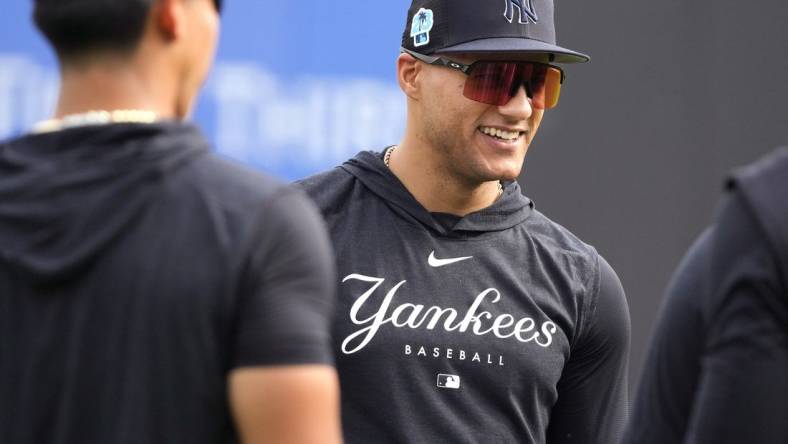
[297,87]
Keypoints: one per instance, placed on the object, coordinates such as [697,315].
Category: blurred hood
[68,195]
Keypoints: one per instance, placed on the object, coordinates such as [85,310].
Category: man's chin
[509,174]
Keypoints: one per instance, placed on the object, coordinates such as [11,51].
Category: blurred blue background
[297,86]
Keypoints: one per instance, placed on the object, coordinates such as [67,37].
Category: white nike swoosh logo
[435,262]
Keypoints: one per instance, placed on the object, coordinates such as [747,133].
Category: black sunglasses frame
[466,69]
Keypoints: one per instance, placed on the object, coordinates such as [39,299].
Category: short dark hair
[75,27]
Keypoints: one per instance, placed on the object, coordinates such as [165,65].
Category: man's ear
[409,73]
[168,18]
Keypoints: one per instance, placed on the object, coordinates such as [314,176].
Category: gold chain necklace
[96,117]
[387,162]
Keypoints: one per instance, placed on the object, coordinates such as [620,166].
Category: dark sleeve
[663,402]
[288,290]
[742,394]
[592,404]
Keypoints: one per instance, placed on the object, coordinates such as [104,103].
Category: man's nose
[519,107]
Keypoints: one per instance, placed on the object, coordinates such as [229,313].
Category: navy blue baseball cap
[485,27]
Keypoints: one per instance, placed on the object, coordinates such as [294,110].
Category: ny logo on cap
[526,8]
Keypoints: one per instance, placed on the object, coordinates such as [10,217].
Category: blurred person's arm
[663,403]
[283,387]
[742,392]
[294,404]
[717,364]
[592,404]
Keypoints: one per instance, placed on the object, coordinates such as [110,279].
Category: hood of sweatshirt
[66,196]
[764,185]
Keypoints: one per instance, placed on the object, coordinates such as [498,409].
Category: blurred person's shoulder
[237,182]
[763,186]
[753,218]
[231,194]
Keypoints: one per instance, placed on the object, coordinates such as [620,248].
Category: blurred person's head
[168,44]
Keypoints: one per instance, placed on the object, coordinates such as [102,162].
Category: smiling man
[465,315]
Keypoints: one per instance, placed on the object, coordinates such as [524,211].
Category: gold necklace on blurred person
[96,117]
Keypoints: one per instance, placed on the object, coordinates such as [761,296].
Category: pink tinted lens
[495,83]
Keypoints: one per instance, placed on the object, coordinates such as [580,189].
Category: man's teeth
[501,134]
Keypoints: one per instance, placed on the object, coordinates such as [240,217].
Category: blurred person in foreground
[464,314]
[717,369]
[151,292]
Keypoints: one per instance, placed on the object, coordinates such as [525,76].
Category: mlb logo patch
[448,381]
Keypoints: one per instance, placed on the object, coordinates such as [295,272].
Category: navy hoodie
[763,186]
[497,327]
[717,364]
[136,270]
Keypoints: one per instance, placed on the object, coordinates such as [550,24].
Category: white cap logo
[526,9]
